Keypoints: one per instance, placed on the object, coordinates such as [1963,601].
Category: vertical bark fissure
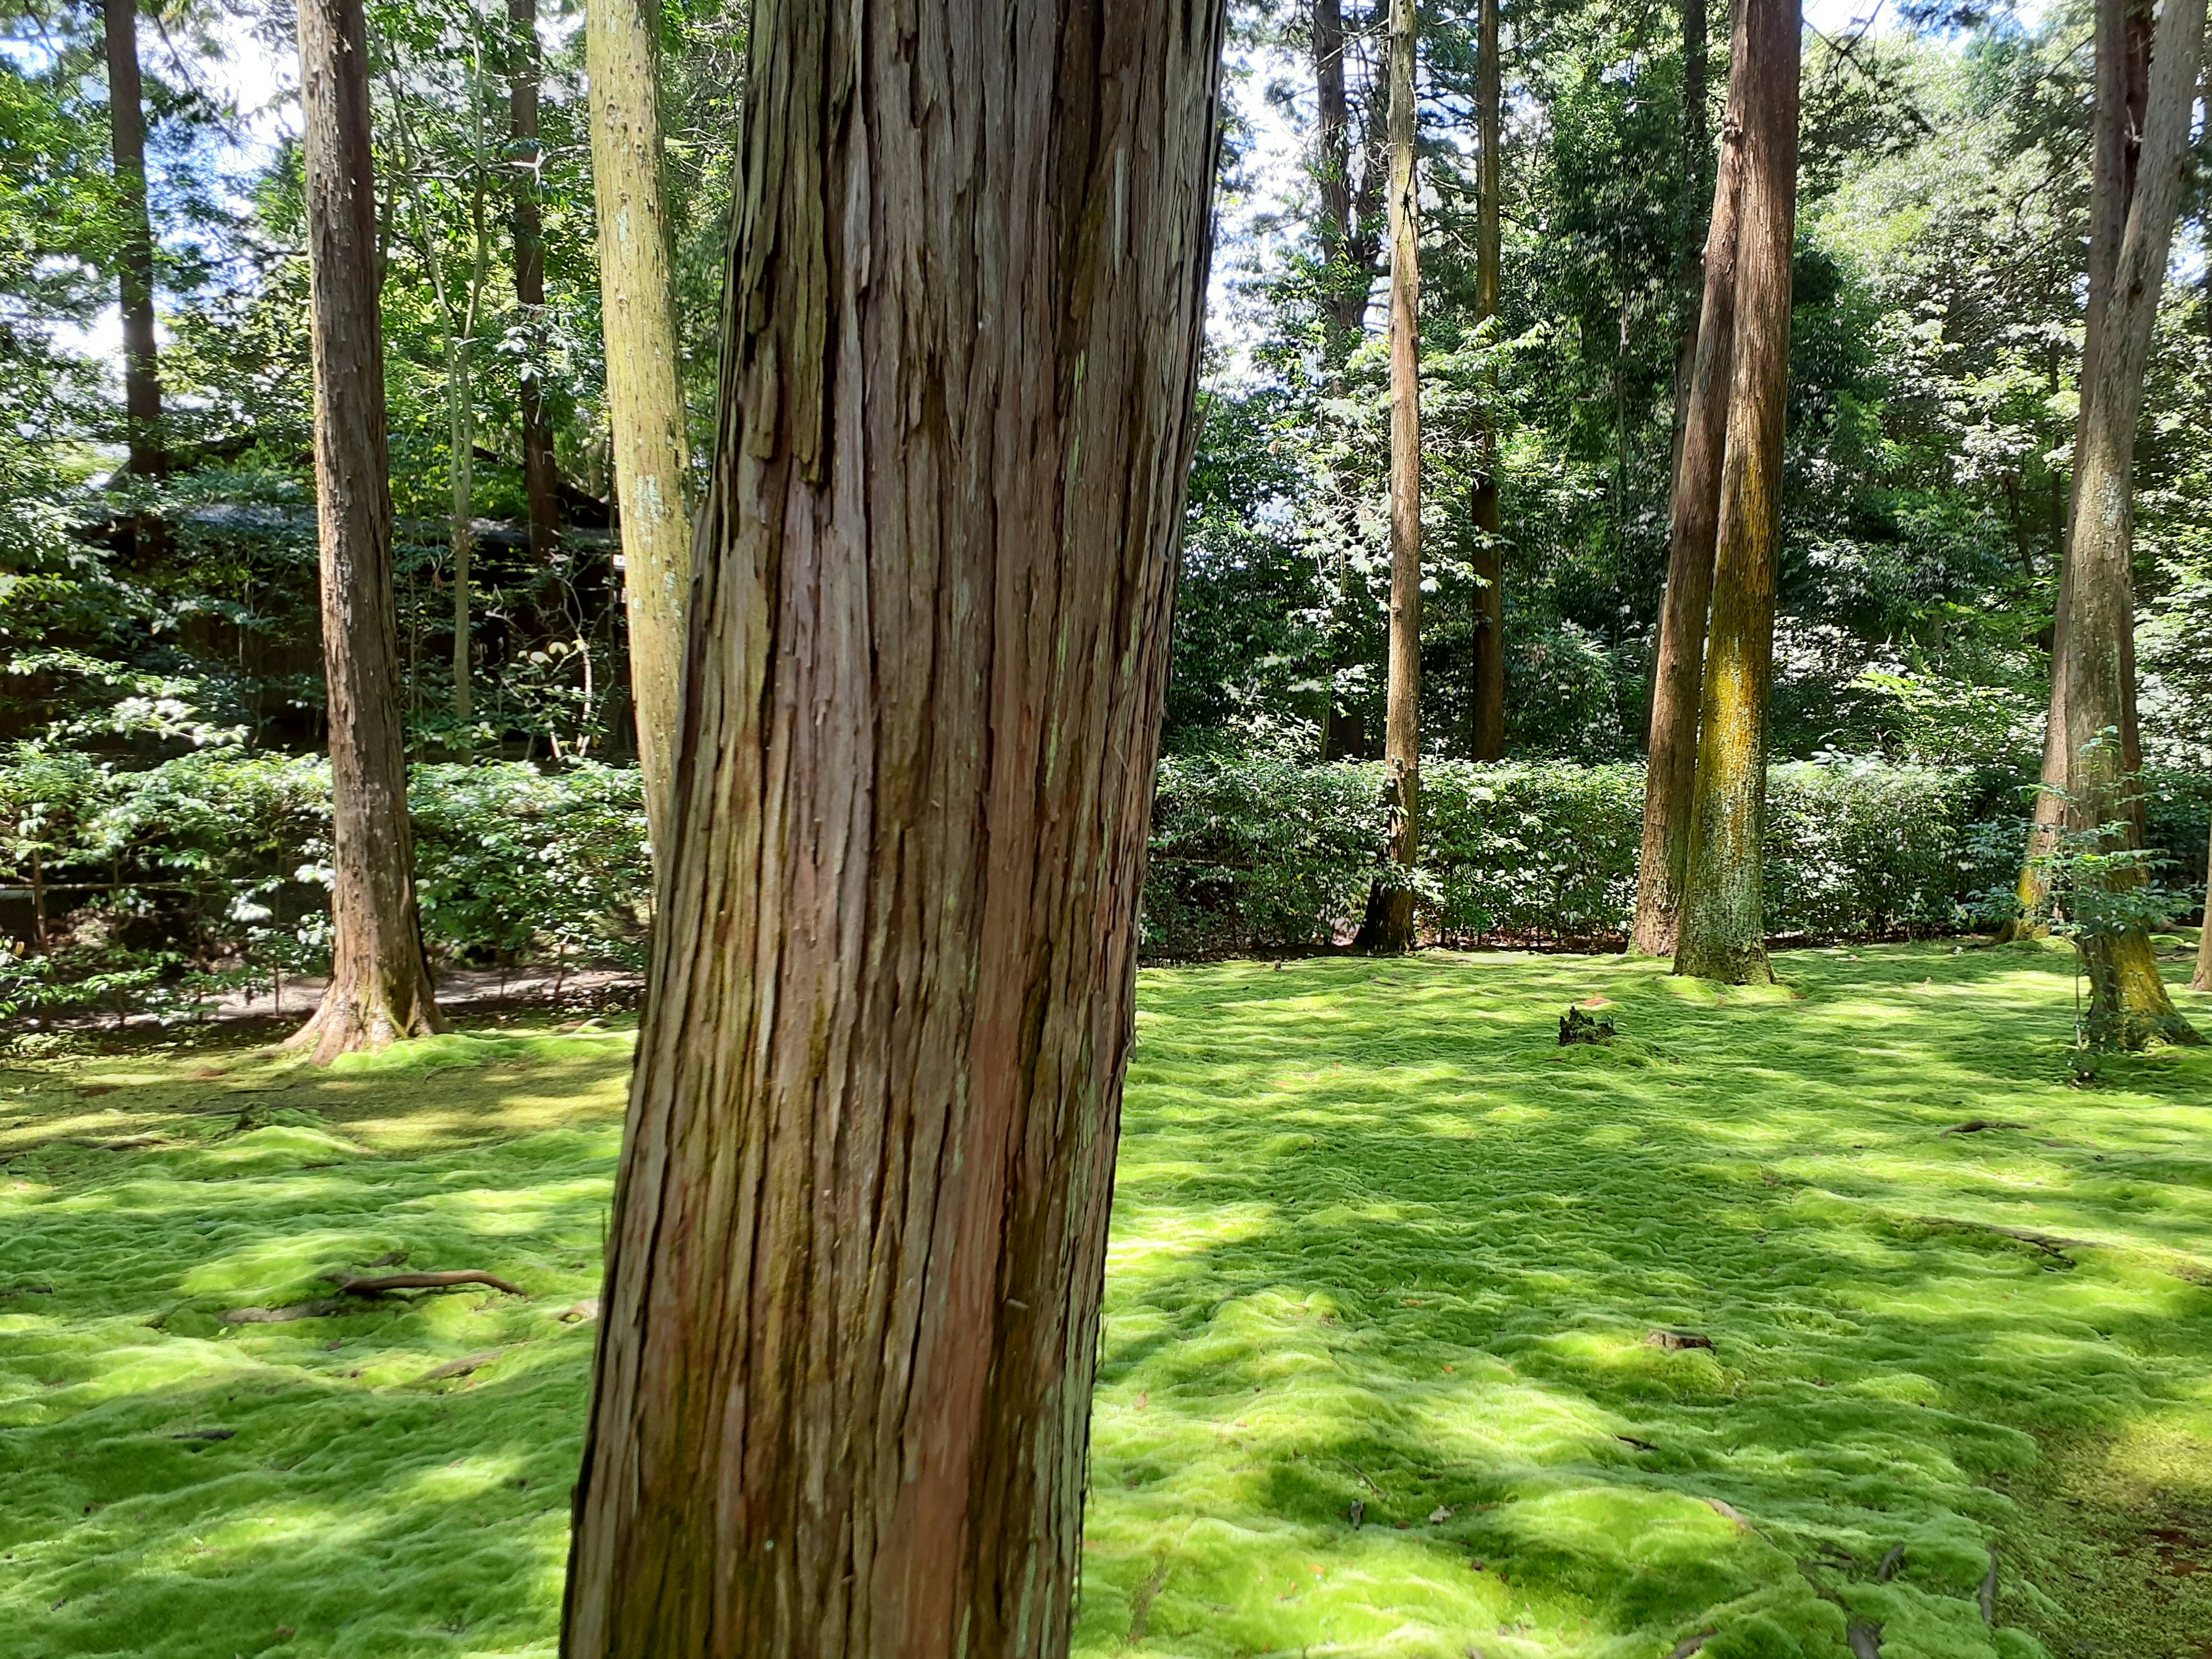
[645,388]
[540,473]
[840,1400]
[142,382]
[1670,760]
[380,985]
[1722,929]
[2128,1005]
[1487,681]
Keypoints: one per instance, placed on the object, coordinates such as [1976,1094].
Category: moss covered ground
[1379,1242]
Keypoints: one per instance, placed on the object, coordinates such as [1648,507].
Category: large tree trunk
[843,1390]
[1722,923]
[1678,684]
[141,382]
[1487,734]
[1390,912]
[2128,1006]
[380,985]
[540,475]
[2123,38]
[645,383]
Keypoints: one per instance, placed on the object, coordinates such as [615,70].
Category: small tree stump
[1577,1025]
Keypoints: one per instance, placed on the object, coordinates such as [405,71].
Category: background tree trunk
[843,1385]
[2128,1005]
[2123,38]
[1488,732]
[645,382]
[1393,911]
[2202,980]
[541,476]
[380,985]
[141,381]
[1670,762]
[1722,925]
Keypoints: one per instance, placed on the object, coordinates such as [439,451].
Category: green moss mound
[1379,1240]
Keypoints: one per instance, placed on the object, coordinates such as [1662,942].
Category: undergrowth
[1379,1242]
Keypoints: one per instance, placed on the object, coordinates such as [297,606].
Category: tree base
[1745,965]
[350,1020]
[1386,929]
[1655,936]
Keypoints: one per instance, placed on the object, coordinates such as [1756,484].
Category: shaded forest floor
[1379,1241]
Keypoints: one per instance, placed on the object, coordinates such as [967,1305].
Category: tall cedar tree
[842,1390]
[2121,35]
[2128,1006]
[1391,908]
[644,387]
[1486,729]
[541,479]
[1722,926]
[126,116]
[1347,217]
[380,985]
[1701,445]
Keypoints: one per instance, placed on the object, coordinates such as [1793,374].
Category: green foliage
[1262,857]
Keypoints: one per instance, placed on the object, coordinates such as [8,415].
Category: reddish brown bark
[1487,726]
[1670,763]
[141,381]
[1722,932]
[541,477]
[1348,237]
[843,1383]
[380,985]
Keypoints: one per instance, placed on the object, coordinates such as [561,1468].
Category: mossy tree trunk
[2122,36]
[645,384]
[842,1390]
[541,477]
[2128,1006]
[142,378]
[1487,733]
[1722,926]
[379,987]
[1390,907]
[1670,760]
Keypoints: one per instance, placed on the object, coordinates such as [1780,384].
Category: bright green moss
[1377,1239]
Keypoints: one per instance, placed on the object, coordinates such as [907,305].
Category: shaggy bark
[842,1388]
[1722,933]
[1487,731]
[1670,760]
[644,387]
[2122,33]
[541,477]
[1391,910]
[2128,1006]
[380,985]
[142,382]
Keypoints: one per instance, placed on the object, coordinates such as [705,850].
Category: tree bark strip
[1722,926]
[141,381]
[379,987]
[842,1388]
[1487,734]
[645,383]
[541,476]
[2128,1005]
[2202,979]
[1392,908]
[1670,762]
[1348,240]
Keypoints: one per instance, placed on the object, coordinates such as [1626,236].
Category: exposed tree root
[1974,1126]
[1989,1593]
[1692,1645]
[352,1286]
[2050,1244]
[1889,1563]
[1865,1639]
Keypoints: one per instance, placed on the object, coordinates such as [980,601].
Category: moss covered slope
[1379,1241]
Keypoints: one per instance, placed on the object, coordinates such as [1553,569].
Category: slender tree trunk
[1390,918]
[380,985]
[540,476]
[460,391]
[842,1390]
[2202,980]
[1695,161]
[2128,1004]
[142,382]
[2123,32]
[1670,760]
[1488,731]
[645,384]
[1723,930]
[1347,229]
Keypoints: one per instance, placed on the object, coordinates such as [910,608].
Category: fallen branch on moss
[352,1286]
[1974,1126]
